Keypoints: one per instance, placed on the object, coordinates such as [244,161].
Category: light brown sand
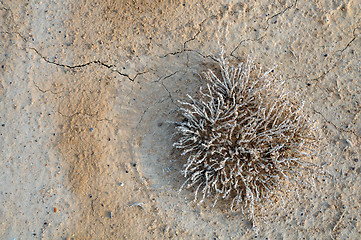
[87,89]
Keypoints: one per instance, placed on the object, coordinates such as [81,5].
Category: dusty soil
[88,88]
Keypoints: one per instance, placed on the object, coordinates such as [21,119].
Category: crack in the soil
[190,50]
[337,127]
[349,43]
[165,77]
[189,40]
[244,40]
[12,33]
[142,116]
[265,29]
[84,113]
[323,74]
[279,13]
[45,91]
[98,62]
[185,49]
[169,94]
[195,35]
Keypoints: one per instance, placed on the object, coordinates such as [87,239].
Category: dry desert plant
[245,137]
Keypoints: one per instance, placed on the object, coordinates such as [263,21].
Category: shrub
[245,137]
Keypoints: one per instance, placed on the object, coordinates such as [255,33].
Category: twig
[140,204]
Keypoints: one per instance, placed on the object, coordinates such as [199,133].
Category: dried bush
[245,137]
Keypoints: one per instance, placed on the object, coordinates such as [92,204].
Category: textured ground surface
[87,88]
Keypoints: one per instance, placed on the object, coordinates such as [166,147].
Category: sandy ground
[88,88]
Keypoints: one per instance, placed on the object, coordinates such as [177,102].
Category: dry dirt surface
[88,90]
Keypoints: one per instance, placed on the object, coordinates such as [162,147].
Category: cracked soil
[88,90]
